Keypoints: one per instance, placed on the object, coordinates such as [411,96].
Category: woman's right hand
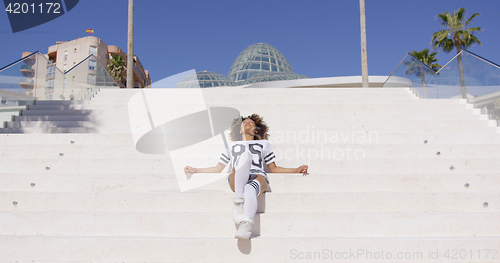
[189,170]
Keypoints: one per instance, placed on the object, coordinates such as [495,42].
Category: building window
[51,71]
[91,79]
[65,55]
[75,49]
[92,64]
[49,85]
[64,68]
[93,50]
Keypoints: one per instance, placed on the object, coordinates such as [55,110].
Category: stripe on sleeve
[224,159]
[270,159]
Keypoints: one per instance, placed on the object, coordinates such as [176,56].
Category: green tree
[117,68]
[422,69]
[456,35]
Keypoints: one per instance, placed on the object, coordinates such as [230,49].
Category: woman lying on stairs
[247,153]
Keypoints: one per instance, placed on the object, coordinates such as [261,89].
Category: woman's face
[248,126]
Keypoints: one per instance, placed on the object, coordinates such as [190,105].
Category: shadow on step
[245,246]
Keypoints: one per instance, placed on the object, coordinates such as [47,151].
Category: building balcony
[27,71]
[26,83]
[29,60]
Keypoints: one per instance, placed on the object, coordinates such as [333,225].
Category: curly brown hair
[260,125]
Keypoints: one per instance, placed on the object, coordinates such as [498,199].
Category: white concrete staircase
[53,116]
[421,183]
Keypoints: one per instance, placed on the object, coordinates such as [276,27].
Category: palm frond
[474,29]
[460,13]
[471,18]
[444,18]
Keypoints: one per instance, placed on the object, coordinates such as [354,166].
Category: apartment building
[68,54]
[69,71]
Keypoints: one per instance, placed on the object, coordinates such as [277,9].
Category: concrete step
[377,129]
[80,106]
[50,124]
[55,112]
[66,139]
[268,92]
[24,249]
[256,99]
[279,95]
[280,183]
[48,130]
[107,94]
[324,122]
[392,117]
[324,110]
[334,162]
[113,129]
[316,109]
[55,118]
[203,202]
[282,148]
[465,138]
[328,123]
[61,102]
[96,164]
[120,225]
[86,106]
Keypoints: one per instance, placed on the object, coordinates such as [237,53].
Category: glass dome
[204,79]
[257,58]
[273,76]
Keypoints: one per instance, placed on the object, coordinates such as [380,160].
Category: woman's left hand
[302,169]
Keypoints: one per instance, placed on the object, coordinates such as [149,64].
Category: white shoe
[244,230]
[238,213]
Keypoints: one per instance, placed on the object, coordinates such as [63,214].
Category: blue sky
[320,38]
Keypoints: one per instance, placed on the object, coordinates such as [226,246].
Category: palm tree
[421,69]
[456,36]
[130,45]
[364,60]
[117,68]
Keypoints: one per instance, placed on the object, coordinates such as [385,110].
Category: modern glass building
[260,58]
[257,63]
[205,79]
[265,76]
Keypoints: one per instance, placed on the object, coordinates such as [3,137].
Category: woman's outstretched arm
[216,169]
[277,169]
